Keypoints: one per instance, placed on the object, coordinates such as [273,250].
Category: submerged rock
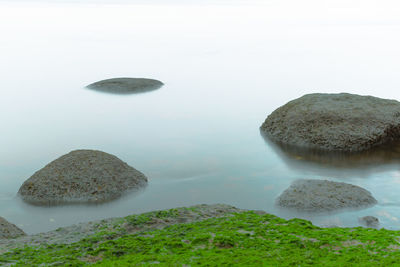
[81,176]
[335,122]
[322,195]
[126,85]
[9,230]
[369,221]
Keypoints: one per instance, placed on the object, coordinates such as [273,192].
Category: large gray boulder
[126,85]
[9,230]
[322,195]
[338,122]
[81,176]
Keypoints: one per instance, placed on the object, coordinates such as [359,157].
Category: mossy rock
[244,238]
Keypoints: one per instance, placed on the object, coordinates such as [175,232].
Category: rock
[126,85]
[81,176]
[322,195]
[369,221]
[335,122]
[9,230]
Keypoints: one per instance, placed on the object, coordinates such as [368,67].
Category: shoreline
[76,232]
[215,235]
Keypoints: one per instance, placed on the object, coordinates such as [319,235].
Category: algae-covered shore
[207,235]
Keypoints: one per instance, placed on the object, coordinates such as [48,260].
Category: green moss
[137,220]
[246,239]
[162,214]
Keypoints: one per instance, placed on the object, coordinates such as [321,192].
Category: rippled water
[225,68]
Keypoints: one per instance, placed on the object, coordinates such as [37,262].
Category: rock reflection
[379,158]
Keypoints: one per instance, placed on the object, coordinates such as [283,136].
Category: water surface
[225,66]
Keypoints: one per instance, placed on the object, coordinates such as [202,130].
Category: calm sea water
[225,68]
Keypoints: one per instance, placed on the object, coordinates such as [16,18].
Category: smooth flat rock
[125,85]
[323,195]
[335,122]
[9,230]
[81,176]
[369,221]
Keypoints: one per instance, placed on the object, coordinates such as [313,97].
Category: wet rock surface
[9,230]
[81,176]
[335,122]
[369,221]
[323,195]
[125,85]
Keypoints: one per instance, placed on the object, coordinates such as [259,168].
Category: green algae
[244,239]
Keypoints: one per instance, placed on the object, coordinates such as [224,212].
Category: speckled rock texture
[322,195]
[339,122]
[9,230]
[81,176]
[126,85]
